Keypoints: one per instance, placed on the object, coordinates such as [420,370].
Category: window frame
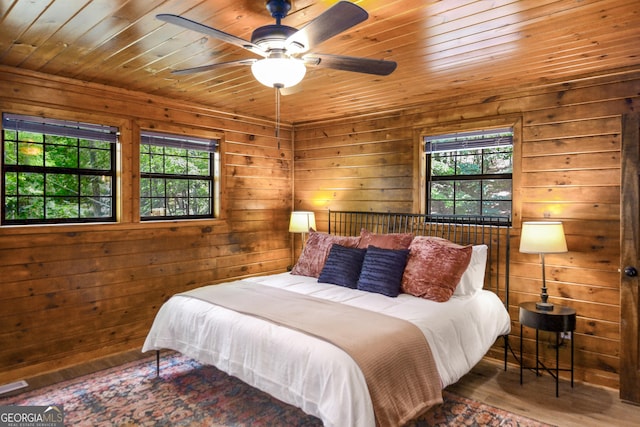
[183,140]
[61,127]
[453,144]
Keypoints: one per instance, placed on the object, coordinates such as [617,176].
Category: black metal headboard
[492,231]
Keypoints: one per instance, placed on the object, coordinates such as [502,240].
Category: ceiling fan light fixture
[282,45]
[279,72]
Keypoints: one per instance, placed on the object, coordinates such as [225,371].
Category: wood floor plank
[583,406]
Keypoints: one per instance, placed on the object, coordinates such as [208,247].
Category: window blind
[64,128]
[177,141]
[469,140]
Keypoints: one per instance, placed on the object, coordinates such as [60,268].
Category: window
[57,171]
[177,176]
[470,173]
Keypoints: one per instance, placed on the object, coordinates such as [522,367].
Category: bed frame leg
[506,350]
[158,363]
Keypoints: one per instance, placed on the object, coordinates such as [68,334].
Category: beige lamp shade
[302,221]
[542,237]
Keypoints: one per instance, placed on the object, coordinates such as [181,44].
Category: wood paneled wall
[567,167]
[74,293]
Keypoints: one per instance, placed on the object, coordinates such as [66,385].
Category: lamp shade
[279,72]
[542,237]
[302,221]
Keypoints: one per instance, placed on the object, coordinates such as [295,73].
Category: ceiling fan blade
[204,29]
[340,17]
[213,66]
[351,63]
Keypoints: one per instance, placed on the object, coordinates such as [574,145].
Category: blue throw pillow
[342,266]
[382,270]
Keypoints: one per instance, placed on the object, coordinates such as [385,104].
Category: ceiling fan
[285,49]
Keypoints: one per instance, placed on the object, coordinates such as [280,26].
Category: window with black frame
[177,176]
[470,173]
[57,171]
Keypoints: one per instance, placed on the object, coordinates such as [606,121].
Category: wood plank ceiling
[444,49]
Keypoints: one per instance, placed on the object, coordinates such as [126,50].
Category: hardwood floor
[582,406]
[80,370]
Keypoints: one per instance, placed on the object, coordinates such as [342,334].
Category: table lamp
[540,237]
[301,222]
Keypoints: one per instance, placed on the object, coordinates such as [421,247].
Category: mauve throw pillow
[382,270]
[385,241]
[316,251]
[434,268]
[342,266]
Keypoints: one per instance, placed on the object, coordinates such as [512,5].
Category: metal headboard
[492,231]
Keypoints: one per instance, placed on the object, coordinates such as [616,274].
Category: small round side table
[559,320]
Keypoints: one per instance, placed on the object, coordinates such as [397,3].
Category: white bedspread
[313,374]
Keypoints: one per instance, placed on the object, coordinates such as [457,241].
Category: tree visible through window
[57,171]
[177,176]
[470,173]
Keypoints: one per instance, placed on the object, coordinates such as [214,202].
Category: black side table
[559,320]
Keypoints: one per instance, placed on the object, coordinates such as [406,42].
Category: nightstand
[559,320]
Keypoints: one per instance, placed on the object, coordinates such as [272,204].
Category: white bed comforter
[310,373]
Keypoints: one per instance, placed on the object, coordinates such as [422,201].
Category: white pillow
[473,277]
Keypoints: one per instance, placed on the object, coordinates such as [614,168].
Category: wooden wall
[566,167]
[74,293]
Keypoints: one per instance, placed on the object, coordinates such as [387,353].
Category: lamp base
[544,306]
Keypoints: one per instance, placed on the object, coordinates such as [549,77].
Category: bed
[308,355]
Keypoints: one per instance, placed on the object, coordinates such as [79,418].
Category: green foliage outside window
[175,182]
[50,178]
[56,171]
[474,181]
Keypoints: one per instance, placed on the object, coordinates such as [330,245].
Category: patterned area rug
[190,394]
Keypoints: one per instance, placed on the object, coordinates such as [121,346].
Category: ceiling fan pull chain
[277,115]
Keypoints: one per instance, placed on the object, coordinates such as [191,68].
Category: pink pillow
[434,268]
[316,251]
[384,241]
